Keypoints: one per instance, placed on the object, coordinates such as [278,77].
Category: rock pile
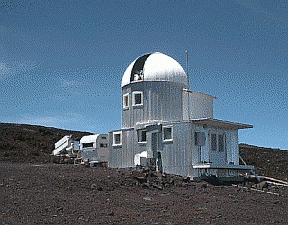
[151,179]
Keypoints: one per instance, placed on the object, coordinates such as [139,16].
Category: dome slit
[137,70]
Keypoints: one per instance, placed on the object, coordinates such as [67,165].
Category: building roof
[89,138]
[209,122]
[155,67]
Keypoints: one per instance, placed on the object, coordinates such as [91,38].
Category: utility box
[200,138]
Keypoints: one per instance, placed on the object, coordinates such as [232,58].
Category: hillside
[31,143]
[267,161]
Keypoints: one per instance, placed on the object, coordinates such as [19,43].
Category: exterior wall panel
[177,155]
[197,105]
[157,98]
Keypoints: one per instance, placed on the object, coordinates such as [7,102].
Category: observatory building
[170,128]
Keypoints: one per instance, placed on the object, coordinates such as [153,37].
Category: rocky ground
[69,194]
[35,191]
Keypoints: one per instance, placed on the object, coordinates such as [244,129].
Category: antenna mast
[187,66]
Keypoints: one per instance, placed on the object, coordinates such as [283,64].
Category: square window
[167,133]
[126,101]
[137,98]
[117,138]
[142,136]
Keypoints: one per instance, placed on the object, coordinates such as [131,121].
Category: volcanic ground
[36,191]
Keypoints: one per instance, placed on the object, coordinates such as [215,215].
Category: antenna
[187,67]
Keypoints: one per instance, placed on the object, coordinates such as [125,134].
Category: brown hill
[267,161]
[31,143]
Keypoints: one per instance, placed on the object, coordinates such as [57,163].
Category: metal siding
[125,147]
[111,156]
[195,153]
[234,147]
[229,146]
[196,105]
[161,101]
[177,155]
[126,113]
[185,105]
[129,149]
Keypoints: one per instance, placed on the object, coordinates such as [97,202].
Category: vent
[137,70]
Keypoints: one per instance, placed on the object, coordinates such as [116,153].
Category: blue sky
[61,63]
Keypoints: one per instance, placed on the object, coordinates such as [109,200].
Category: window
[218,142]
[88,145]
[137,98]
[221,142]
[126,101]
[117,138]
[142,136]
[167,133]
[104,137]
[102,145]
[213,142]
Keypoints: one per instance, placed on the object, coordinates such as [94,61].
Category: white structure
[140,159]
[66,145]
[174,125]
[94,147]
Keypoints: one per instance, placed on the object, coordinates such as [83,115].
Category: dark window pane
[126,100]
[87,145]
[213,142]
[117,138]
[143,136]
[138,99]
[221,142]
[167,133]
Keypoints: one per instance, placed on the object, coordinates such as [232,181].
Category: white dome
[155,67]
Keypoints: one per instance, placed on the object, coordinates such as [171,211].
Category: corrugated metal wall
[234,148]
[162,101]
[123,156]
[197,105]
[177,155]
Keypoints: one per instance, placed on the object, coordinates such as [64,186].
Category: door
[218,150]
[155,144]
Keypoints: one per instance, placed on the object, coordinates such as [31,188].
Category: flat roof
[209,122]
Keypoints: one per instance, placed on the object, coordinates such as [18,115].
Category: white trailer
[94,148]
